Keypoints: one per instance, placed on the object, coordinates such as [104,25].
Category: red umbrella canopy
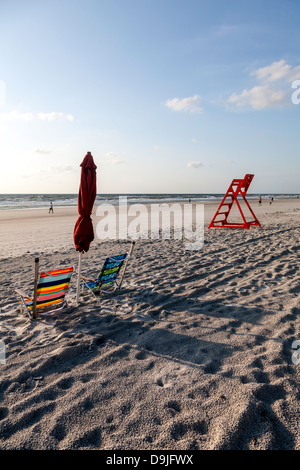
[83,231]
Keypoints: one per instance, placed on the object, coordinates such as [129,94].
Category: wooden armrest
[87,279]
[23,295]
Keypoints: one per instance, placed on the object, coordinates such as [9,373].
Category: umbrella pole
[79,276]
[36,279]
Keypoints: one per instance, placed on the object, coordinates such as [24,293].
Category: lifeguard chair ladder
[237,187]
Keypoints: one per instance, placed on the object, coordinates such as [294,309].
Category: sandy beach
[195,352]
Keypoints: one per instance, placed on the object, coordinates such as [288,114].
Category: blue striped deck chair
[49,292]
[107,280]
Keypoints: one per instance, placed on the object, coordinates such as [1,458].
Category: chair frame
[44,311]
[115,284]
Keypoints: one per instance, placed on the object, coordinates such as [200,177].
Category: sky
[169,96]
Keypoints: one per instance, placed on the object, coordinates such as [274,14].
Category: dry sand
[194,352]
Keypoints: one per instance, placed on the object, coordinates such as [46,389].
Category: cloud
[53,116]
[113,158]
[16,115]
[272,89]
[110,155]
[190,104]
[225,30]
[277,71]
[51,172]
[62,168]
[259,97]
[42,151]
[194,164]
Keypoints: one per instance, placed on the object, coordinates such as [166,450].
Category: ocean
[40,201]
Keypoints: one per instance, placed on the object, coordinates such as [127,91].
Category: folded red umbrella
[83,231]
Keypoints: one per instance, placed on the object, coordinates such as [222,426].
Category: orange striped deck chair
[49,293]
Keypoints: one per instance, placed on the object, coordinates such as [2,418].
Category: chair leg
[90,290]
[23,306]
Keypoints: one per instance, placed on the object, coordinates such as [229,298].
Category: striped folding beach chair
[107,280]
[50,291]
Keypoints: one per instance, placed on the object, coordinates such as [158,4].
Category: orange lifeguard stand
[237,187]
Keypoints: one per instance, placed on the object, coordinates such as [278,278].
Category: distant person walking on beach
[51,207]
[271,199]
[259,200]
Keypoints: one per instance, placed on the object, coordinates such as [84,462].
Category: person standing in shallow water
[51,207]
